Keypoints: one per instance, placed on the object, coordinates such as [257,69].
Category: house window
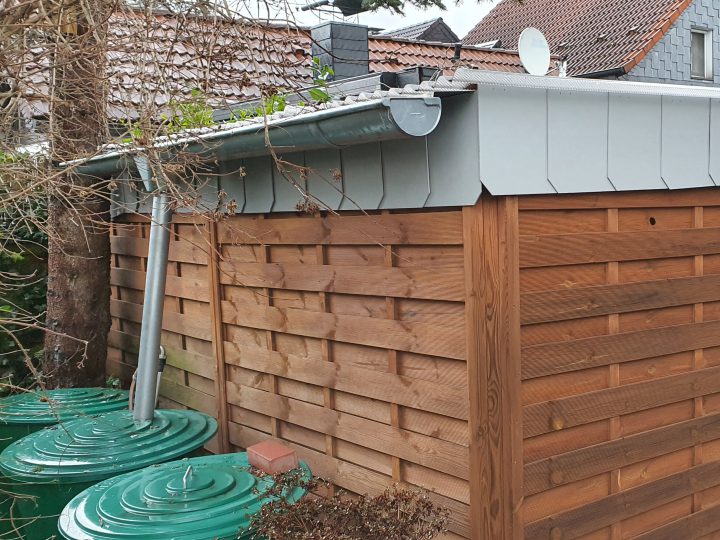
[702,54]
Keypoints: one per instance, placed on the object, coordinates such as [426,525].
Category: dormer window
[702,54]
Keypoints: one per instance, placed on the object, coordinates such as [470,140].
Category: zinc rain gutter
[337,127]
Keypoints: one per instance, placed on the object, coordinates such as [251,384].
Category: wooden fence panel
[552,361]
[343,337]
[617,369]
[189,381]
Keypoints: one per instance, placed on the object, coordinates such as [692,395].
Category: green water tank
[204,498]
[25,413]
[28,412]
[50,467]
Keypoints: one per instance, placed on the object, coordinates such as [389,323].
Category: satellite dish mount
[534,52]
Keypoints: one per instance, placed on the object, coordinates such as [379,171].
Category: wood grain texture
[493,356]
[578,303]
[593,460]
[562,249]
[602,513]
[622,400]
[619,364]
[179,251]
[411,392]
[352,477]
[180,287]
[424,283]
[220,375]
[701,524]
[579,354]
[431,228]
[422,338]
[433,453]
[641,199]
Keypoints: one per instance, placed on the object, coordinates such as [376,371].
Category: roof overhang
[336,126]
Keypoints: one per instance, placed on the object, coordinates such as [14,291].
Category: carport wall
[547,364]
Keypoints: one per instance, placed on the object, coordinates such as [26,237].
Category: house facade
[661,41]
[689,53]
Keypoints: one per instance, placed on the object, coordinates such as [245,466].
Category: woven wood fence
[547,366]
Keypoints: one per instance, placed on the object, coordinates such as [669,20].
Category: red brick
[272,457]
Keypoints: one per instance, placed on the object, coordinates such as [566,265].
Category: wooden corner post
[218,334]
[492,319]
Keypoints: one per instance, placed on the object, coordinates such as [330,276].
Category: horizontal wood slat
[596,515]
[178,358]
[585,408]
[178,323]
[421,338]
[416,393]
[566,304]
[353,477]
[564,249]
[698,525]
[593,460]
[635,199]
[579,354]
[379,281]
[439,455]
[180,251]
[181,287]
[189,397]
[426,228]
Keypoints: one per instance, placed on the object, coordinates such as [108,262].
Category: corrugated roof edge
[572,84]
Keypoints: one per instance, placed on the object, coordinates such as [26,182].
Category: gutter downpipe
[153,302]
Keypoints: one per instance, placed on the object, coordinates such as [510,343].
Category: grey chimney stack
[342,46]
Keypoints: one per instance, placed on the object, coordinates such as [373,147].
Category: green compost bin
[50,467]
[28,412]
[204,498]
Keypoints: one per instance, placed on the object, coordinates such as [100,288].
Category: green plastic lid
[47,407]
[93,448]
[205,498]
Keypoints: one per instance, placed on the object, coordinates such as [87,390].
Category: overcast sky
[461,18]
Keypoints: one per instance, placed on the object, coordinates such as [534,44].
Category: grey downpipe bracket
[151,329]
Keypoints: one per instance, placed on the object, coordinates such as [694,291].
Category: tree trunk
[78,307]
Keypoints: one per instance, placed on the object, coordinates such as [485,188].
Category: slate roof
[597,35]
[432,30]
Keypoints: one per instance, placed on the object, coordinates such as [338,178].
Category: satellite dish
[534,52]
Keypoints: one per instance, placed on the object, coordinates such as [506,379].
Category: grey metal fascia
[336,127]
[574,84]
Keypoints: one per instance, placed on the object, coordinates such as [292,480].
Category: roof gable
[596,35]
[433,30]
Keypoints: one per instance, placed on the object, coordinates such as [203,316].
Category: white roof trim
[573,84]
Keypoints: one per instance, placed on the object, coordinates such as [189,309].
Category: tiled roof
[597,35]
[174,59]
[397,54]
[424,31]
[164,58]
[227,61]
